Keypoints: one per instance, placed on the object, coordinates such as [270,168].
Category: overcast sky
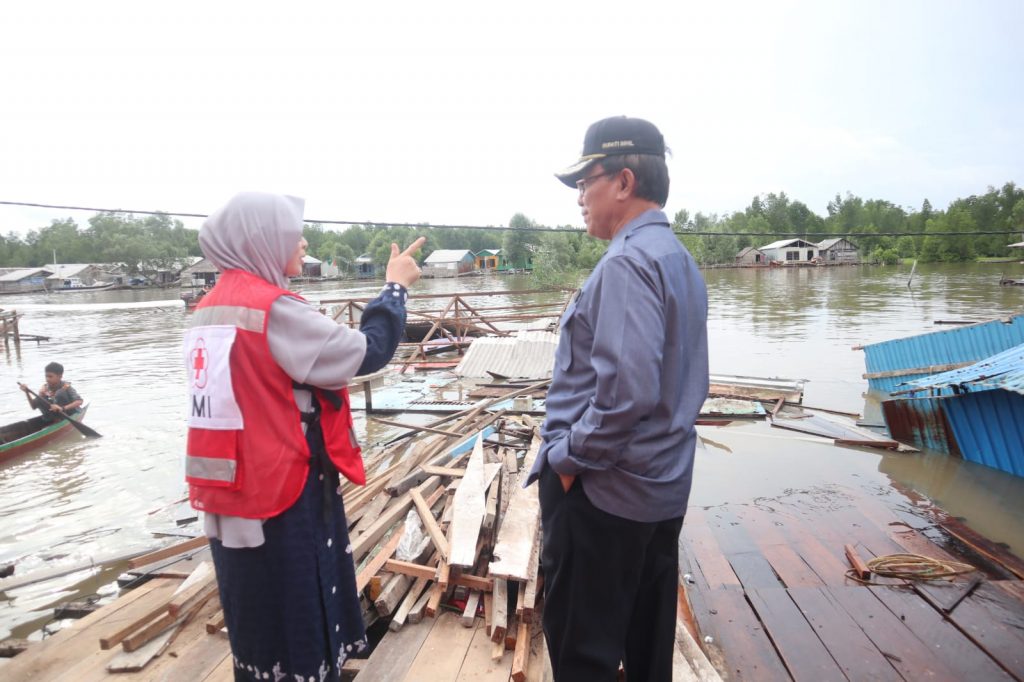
[456,113]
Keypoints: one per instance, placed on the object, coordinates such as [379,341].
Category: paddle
[82,428]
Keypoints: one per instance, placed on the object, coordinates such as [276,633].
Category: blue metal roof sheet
[1001,371]
[967,344]
[989,428]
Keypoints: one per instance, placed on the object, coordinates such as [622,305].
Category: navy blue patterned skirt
[290,605]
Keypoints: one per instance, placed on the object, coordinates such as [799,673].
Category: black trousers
[610,589]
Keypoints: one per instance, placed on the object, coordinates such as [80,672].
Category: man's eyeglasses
[586,182]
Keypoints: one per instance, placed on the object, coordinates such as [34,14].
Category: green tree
[518,244]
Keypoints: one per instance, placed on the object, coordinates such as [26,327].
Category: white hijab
[256,232]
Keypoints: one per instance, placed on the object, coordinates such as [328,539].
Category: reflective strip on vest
[249,319]
[210,468]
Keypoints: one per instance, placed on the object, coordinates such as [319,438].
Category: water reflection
[79,499]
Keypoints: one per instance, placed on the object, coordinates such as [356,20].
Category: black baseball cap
[611,137]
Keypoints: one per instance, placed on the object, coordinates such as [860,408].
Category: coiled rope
[912,567]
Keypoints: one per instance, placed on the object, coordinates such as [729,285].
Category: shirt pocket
[563,354]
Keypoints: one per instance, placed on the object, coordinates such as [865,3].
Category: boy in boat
[56,395]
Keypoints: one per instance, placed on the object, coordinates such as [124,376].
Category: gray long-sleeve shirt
[631,374]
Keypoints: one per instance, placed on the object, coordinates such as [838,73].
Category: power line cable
[501,228]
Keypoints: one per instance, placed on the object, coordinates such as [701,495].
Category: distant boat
[74,284]
[21,437]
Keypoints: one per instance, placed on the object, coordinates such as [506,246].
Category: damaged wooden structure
[784,589]
[445,542]
[461,317]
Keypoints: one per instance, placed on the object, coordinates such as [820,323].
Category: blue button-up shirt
[631,374]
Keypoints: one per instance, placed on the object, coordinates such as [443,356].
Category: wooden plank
[134,661]
[753,570]
[491,503]
[215,623]
[393,655]
[392,594]
[195,661]
[410,569]
[48,659]
[984,546]
[478,665]
[395,512]
[173,550]
[521,658]
[538,668]
[947,644]
[704,550]
[441,656]
[990,618]
[416,612]
[413,596]
[790,567]
[468,618]
[371,512]
[379,559]
[518,528]
[737,635]
[530,588]
[499,617]
[696,660]
[443,471]
[469,506]
[434,600]
[197,585]
[122,623]
[856,655]
[803,653]
[911,657]
[860,569]
[430,523]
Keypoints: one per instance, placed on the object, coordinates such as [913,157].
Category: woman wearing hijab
[269,432]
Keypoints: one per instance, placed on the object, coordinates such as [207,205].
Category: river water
[80,500]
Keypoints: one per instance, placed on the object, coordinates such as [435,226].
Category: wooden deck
[768,595]
[440,648]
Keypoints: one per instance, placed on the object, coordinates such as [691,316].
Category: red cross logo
[199,361]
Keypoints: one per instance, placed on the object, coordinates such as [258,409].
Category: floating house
[975,412]
[837,251]
[890,363]
[23,280]
[751,257]
[76,275]
[312,267]
[490,259]
[448,263]
[365,267]
[790,251]
[166,271]
[201,274]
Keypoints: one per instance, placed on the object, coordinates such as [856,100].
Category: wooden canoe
[30,434]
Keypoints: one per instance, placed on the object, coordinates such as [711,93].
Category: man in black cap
[615,466]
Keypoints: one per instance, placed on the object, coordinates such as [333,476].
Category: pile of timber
[480,531]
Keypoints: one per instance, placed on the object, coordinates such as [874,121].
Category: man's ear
[627,184]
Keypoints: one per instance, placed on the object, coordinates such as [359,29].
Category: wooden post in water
[912,269]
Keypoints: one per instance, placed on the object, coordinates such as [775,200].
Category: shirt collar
[651,216]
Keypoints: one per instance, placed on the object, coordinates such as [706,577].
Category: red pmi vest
[246,453]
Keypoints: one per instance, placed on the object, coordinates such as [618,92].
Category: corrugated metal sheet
[528,354]
[1001,371]
[921,422]
[966,344]
[989,428]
